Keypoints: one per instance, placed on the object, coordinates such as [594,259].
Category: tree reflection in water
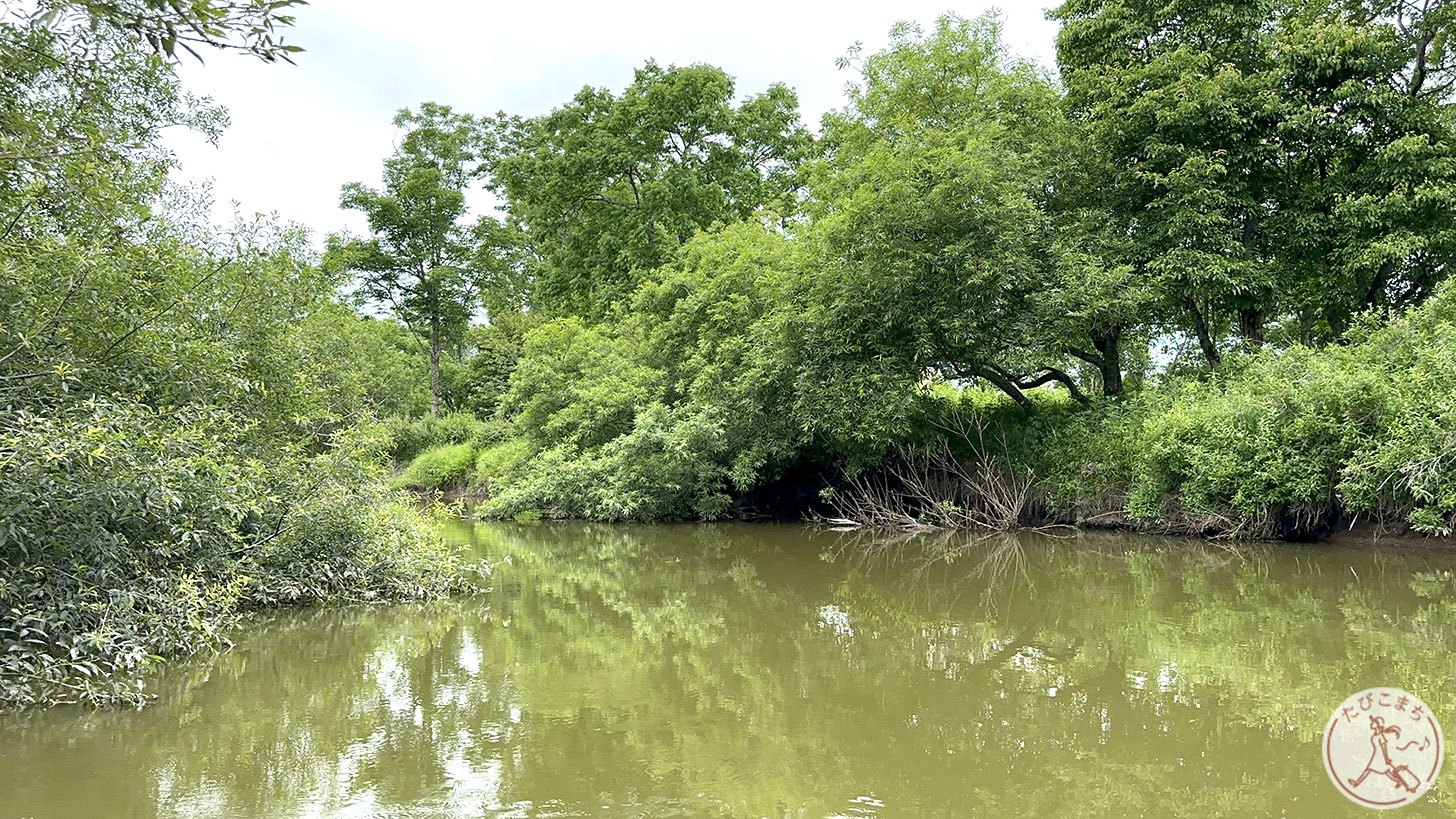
[771,670]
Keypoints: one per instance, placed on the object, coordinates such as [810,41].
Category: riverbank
[1293,443]
[115,569]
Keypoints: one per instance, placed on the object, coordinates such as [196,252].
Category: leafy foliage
[418,262]
[607,186]
[251,26]
[409,438]
[438,467]
[183,411]
[494,351]
[371,366]
[930,235]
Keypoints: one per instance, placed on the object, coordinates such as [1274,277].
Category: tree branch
[1002,382]
[106,355]
[1048,375]
[1091,358]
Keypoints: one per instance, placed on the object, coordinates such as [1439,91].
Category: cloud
[300,132]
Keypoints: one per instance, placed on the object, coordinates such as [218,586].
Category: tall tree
[1097,301]
[930,215]
[1278,164]
[418,261]
[609,185]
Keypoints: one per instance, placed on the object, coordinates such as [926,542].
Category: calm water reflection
[768,671]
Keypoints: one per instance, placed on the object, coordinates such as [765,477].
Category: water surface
[775,671]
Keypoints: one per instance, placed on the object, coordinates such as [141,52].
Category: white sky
[300,132]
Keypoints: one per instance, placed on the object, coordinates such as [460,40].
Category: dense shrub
[438,468]
[667,468]
[495,463]
[408,438]
[1408,469]
[1284,443]
[1266,442]
[132,534]
[1279,444]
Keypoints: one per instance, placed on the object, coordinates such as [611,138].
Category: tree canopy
[419,261]
[609,185]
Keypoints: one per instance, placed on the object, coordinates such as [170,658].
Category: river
[767,670]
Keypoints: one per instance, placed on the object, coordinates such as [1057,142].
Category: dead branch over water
[932,486]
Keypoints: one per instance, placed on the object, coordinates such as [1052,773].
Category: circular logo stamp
[1383,748]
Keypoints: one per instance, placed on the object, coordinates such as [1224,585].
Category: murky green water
[768,671]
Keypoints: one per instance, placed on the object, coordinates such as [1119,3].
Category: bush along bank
[1275,444]
[1291,444]
[131,536]
[1278,444]
[439,457]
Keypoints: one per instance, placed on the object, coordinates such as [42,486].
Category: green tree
[495,349]
[1423,31]
[81,176]
[608,185]
[1278,164]
[1098,300]
[419,260]
[250,26]
[933,236]
[506,264]
[370,366]
[719,325]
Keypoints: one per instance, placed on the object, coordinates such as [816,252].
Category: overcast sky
[299,132]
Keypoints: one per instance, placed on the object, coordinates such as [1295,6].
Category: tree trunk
[1005,385]
[1251,326]
[1107,360]
[1109,350]
[435,366]
[1418,71]
[1375,292]
[1205,338]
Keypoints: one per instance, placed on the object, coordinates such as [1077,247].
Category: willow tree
[418,261]
[249,26]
